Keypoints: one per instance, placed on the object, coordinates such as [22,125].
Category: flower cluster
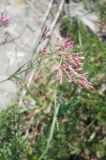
[65,44]
[4,20]
[71,67]
[43,51]
[45,32]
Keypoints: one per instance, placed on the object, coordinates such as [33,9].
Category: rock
[87,16]
[7,90]
[26,18]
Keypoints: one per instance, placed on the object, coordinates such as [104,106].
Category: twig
[56,19]
[43,23]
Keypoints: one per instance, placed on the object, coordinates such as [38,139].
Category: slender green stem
[52,129]
[51,132]
[79,34]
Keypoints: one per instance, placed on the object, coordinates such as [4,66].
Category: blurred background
[27,101]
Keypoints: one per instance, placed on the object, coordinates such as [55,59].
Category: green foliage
[67,28]
[12,145]
[101,8]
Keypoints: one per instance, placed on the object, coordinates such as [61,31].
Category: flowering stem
[19,71]
[52,128]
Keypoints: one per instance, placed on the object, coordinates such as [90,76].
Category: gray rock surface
[26,18]
[86,12]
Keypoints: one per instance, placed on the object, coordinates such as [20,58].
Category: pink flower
[71,69]
[66,44]
[43,50]
[75,59]
[45,32]
[4,20]
[85,84]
